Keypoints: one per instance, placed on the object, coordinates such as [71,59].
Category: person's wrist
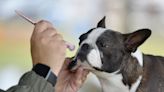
[56,69]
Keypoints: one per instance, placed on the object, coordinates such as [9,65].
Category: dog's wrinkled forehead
[92,35]
[101,34]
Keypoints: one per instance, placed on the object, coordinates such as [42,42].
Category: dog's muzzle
[72,65]
[80,57]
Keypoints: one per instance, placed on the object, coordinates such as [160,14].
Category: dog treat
[70,46]
[24,17]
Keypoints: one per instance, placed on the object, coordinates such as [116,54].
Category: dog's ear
[135,39]
[101,23]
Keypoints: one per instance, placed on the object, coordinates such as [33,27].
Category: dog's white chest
[113,84]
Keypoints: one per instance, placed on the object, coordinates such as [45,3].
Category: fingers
[47,46]
[42,29]
[85,72]
[50,32]
[47,30]
[42,25]
[66,63]
[81,75]
[58,37]
[84,76]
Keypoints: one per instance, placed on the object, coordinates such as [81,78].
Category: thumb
[66,63]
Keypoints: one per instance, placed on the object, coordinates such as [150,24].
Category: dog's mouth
[76,63]
[89,61]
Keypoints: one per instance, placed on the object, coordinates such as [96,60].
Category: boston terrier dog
[114,58]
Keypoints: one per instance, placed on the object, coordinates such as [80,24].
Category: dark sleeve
[31,82]
[1,90]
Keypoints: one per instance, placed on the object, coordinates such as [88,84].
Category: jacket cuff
[45,72]
[36,82]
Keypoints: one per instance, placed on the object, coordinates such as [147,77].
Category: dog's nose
[85,47]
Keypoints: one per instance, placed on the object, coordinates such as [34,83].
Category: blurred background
[72,18]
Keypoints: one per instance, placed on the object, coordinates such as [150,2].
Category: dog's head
[104,49]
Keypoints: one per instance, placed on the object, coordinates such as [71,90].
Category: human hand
[47,46]
[69,81]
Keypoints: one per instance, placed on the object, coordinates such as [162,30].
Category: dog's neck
[138,54]
[113,82]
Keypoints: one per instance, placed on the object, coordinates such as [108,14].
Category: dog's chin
[98,69]
[74,65]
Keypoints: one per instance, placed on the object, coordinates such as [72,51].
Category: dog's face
[104,50]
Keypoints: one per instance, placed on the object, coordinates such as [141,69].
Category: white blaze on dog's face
[88,52]
[94,55]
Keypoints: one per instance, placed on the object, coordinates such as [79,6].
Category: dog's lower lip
[87,68]
[72,64]
[98,69]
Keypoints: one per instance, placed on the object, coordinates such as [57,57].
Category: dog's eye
[104,45]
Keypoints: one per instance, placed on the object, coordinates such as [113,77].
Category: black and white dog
[114,58]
